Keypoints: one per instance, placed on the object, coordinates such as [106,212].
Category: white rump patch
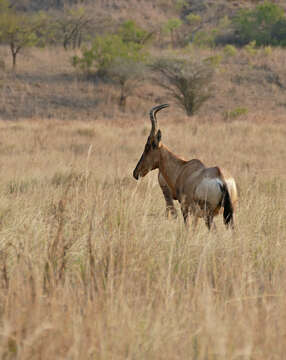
[231,185]
[209,190]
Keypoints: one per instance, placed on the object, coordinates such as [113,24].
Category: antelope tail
[227,207]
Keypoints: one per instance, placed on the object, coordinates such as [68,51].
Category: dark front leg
[209,221]
[185,213]
[170,207]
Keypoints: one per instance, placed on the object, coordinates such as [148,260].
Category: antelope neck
[170,166]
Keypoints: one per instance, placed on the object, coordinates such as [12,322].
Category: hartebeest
[201,191]
[167,192]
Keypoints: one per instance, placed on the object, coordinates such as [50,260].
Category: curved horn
[153,119]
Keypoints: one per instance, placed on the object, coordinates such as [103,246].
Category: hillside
[148,9]
[245,86]
[248,82]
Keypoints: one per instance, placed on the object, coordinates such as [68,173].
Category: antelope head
[151,155]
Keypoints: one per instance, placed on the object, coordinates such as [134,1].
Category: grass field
[91,269]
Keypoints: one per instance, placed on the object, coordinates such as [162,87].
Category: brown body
[201,191]
[169,199]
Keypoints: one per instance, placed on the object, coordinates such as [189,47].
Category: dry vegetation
[47,86]
[89,266]
[91,269]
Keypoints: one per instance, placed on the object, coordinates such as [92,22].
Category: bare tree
[72,25]
[189,82]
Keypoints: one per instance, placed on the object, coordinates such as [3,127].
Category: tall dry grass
[91,269]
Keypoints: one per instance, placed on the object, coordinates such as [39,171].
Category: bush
[278,33]
[214,60]
[124,46]
[235,113]
[265,24]
[229,50]
[205,38]
[131,32]
[105,51]
[267,50]
[251,48]
[118,58]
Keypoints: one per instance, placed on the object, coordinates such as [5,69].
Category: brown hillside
[47,86]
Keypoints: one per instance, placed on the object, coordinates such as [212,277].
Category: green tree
[19,30]
[172,27]
[194,22]
[105,51]
[117,59]
[188,82]
[257,24]
[131,32]
[278,33]
[70,26]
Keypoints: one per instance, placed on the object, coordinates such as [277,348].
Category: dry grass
[91,269]
[89,266]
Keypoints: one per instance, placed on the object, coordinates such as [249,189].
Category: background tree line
[120,53]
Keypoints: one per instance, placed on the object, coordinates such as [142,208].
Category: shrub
[119,58]
[180,4]
[131,32]
[278,33]
[251,48]
[205,38]
[213,60]
[106,50]
[235,113]
[229,50]
[267,50]
[193,19]
[260,24]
